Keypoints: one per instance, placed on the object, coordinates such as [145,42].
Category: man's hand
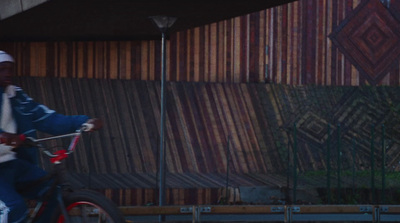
[10,139]
[93,125]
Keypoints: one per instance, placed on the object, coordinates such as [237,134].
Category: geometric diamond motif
[312,127]
[370,39]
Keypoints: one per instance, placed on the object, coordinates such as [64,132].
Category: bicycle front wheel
[88,206]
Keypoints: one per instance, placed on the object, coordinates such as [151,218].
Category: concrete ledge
[12,7]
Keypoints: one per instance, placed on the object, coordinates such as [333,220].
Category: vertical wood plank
[286,44]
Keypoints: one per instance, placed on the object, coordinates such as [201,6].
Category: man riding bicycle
[20,115]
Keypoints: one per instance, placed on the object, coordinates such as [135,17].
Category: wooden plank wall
[200,119]
[258,120]
[288,44]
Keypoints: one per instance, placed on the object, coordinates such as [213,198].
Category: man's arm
[49,121]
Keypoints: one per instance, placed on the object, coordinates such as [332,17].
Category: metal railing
[265,213]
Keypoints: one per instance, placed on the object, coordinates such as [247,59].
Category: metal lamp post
[163,23]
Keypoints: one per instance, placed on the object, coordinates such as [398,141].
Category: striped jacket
[31,116]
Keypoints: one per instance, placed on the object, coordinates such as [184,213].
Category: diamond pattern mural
[313,127]
[370,39]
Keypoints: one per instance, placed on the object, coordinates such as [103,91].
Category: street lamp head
[163,22]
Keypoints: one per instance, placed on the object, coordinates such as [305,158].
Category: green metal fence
[351,173]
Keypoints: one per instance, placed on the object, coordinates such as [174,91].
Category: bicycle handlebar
[61,154]
[86,127]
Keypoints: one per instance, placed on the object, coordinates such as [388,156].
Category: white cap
[5,57]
